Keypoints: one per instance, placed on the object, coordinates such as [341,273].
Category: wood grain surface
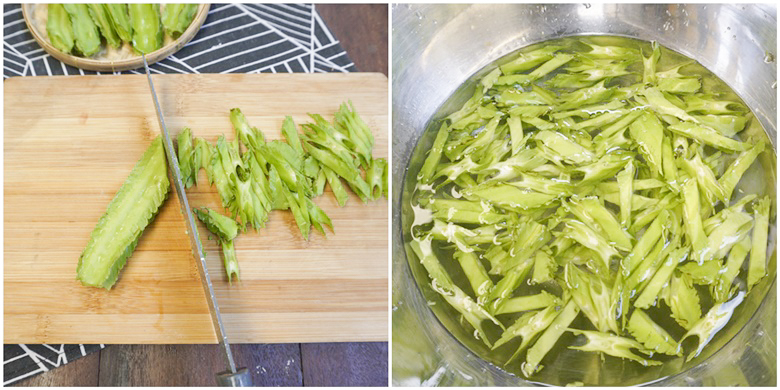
[62,169]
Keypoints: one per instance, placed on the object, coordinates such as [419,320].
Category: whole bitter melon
[132,209]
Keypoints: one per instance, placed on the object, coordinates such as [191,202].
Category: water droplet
[587,5]
[774,85]
[769,57]
[728,28]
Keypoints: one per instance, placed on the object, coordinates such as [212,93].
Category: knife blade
[233,376]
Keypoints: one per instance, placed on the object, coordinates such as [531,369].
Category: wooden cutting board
[69,144]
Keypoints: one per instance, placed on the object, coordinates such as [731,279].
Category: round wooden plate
[116,65]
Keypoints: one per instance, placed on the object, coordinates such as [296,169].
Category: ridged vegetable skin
[59,28]
[120,19]
[84,29]
[147,27]
[133,208]
[101,17]
[176,17]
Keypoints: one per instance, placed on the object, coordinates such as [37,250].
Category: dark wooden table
[362,30]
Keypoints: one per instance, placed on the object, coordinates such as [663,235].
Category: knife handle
[240,378]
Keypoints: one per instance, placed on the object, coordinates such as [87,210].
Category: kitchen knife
[233,376]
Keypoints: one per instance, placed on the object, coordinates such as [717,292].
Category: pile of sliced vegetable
[77,28]
[282,175]
[253,176]
[591,184]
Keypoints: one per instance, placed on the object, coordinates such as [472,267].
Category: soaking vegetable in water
[585,198]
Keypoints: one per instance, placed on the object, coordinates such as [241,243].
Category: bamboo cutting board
[69,144]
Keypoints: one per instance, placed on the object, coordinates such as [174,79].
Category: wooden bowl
[116,65]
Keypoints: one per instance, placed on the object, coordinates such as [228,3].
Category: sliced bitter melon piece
[132,209]
[186,155]
[705,328]
[613,345]
[231,262]
[226,229]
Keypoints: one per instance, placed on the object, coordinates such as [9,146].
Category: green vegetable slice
[186,157]
[222,226]
[147,27]
[527,327]
[59,28]
[705,273]
[476,273]
[757,263]
[130,211]
[374,177]
[547,340]
[730,178]
[708,136]
[661,277]
[231,262]
[358,134]
[102,19]
[648,132]
[652,335]
[592,296]
[614,346]
[715,319]
[226,229]
[722,290]
[120,19]
[684,301]
[471,311]
[85,32]
[176,17]
[527,303]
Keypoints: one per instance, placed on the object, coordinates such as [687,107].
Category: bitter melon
[132,209]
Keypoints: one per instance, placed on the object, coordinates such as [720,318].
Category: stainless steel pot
[437,48]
